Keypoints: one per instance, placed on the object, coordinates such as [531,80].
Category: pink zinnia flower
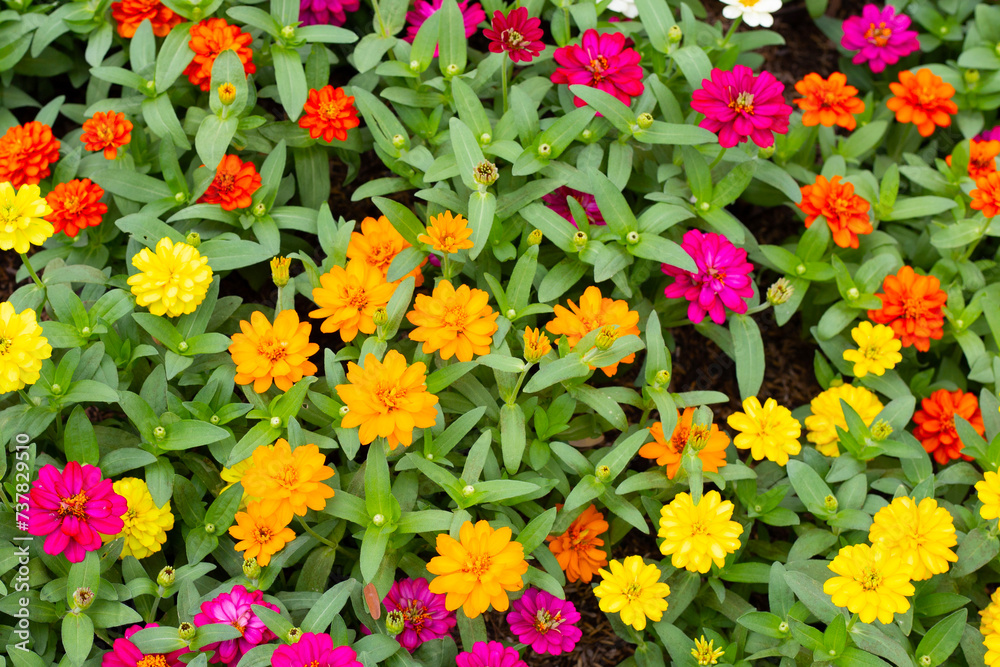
[545,622]
[989,135]
[326,12]
[492,654]
[233,608]
[472,15]
[557,200]
[124,653]
[72,509]
[601,61]
[738,105]
[314,650]
[722,281]
[424,614]
[518,35]
[879,36]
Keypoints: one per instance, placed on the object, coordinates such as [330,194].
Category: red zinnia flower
[329,113]
[106,132]
[516,34]
[738,105]
[936,423]
[75,205]
[911,305]
[26,151]
[210,38]
[986,196]
[234,184]
[982,157]
[601,61]
[923,99]
[846,213]
[129,14]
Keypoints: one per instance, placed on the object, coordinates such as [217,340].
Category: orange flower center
[871,579]
[416,614]
[358,298]
[152,661]
[75,505]
[331,109]
[878,35]
[288,477]
[479,565]
[239,625]
[225,182]
[597,68]
[106,134]
[388,395]
[381,255]
[742,103]
[455,317]
[914,307]
[545,621]
[261,535]
[272,349]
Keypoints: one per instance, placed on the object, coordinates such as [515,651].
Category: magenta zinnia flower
[601,61]
[738,105]
[314,650]
[326,12]
[472,15]
[518,35]
[879,36]
[72,509]
[124,653]
[557,201]
[722,281]
[989,135]
[545,622]
[492,654]
[424,614]
[233,608]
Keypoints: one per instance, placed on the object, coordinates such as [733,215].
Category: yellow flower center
[479,565]
[871,579]
[545,621]
[512,38]
[152,661]
[878,35]
[5,343]
[632,592]
[105,134]
[749,3]
[742,103]
[272,349]
[597,68]
[872,352]
[75,505]
[9,216]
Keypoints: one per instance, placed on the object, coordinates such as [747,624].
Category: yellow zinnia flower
[988,491]
[349,298]
[146,525]
[871,583]
[261,534]
[476,570]
[387,399]
[173,280]
[536,345]
[22,348]
[991,614]
[634,590]
[447,233]
[827,415]
[22,217]
[769,432]
[920,535]
[288,481]
[699,535]
[705,653]
[458,322]
[595,312]
[278,353]
[992,644]
[878,349]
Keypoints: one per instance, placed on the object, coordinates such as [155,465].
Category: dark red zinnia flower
[517,34]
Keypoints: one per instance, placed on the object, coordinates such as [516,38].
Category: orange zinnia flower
[982,158]
[923,99]
[234,184]
[26,151]
[828,102]
[106,132]
[288,481]
[329,113]
[459,323]
[936,423]
[210,38]
[280,353]
[348,299]
[378,243]
[447,233]
[536,345]
[261,534]
[594,312]
[911,305]
[578,550]
[986,196]
[710,444]
[129,14]
[75,205]
[846,213]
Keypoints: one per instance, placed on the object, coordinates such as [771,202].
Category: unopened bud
[259,209]
[535,237]
[279,270]
[485,173]
[378,519]
[485,138]
[675,34]
[398,140]
[853,293]
[830,504]
[166,577]
[275,422]
[451,70]
[380,317]
[766,152]
[183,346]
[544,150]
[783,627]
[179,197]
[294,635]
[971,77]
[925,661]
[800,269]
[395,622]
[645,120]
[151,86]
[159,433]
[414,65]
[288,32]
[662,378]
[607,337]
[251,569]
[705,206]
[344,410]
[214,419]
[57,389]
[586,135]
[187,631]
[510,314]
[602,473]
[881,430]
[193,239]
[580,240]
[780,292]
[85,331]
[227,94]
[632,238]
[468,490]
[210,528]
[82,599]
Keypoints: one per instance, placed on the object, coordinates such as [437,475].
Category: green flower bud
[485,173]
[603,473]
[971,77]
[780,292]
[57,389]
[251,569]
[468,490]
[275,422]
[183,346]
[830,504]
[294,635]
[159,433]
[881,430]
[378,519]
[632,238]
[675,34]
[398,140]
[607,337]
[767,152]
[395,622]
[485,138]
[193,239]
[186,631]
[535,237]
[544,150]
[82,599]
[288,32]
[662,378]
[166,577]
[580,240]
[380,317]
[645,120]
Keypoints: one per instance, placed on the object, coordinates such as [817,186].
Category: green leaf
[291,78]
[976,550]
[79,439]
[919,207]
[674,134]
[402,219]
[512,437]
[748,349]
[809,486]
[695,65]
[533,535]
[942,640]
[482,213]
[617,213]
[607,105]
[452,47]
[570,366]
[77,637]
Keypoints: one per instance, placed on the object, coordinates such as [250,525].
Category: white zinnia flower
[626,7]
[754,12]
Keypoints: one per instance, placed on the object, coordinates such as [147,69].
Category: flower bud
[586,135]
[344,410]
[971,77]
[800,269]
[607,337]
[602,473]
[159,433]
[675,34]
[183,346]
[536,345]
[85,331]
[279,270]
[853,293]
[259,209]
[662,378]
[398,140]
[275,422]
[193,239]
[378,519]
[251,569]
[926,661]
[485,173]
[510,314]
[214,419]
[535,237]
[187,631]
[780,292]
[294,635]
[468,490]
[632,237]
[82,599]
[766,152]
[414,65]
[180,197]
[197,13]
[395,622]
[645,120]
[166,577]
[544,150]
[830,504]
[485,138]
[380,317]
[210,528]
[783,627]
[288,32]
[705,206]
[57,389]
[227,94]
[151,86]
[451,70]
[580,240]
[881,430]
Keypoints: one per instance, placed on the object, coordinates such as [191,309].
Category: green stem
[446,266]
[850,624]
[503,82]
[314,534]
[378,15]
[517,387]
[732,29]
[718,159]
[152,610]
[31,271]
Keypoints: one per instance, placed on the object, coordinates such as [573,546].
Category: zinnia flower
[936,423]
[545,622]
[515,33]
[626,8]
[377,244]
[476,570]
[578,550]
[558,201]
[26,151]
[828,102]
[992,134]
[73,508]
[828,414]
[447,233]
[146,525]
[234,184]
[173,280]
[106,132]
[986,196]
[348,299]
[234,608]
[22,217]
[262,533]
[988,492]
[990,615]
[313,650]
[458,322]
[536,345]
[329,113]
[124,653]
[870,582]
[387,399]
[705,653]
[472,16]
[289,481]
[982,158]
[634,590]
[992,644]
[697,535]
[75,205]
[880,37]
[234,474]
[490,654]
[280,353]
[722,281]
[919,534]
[878,349]
[326,12]
[209,38]
[769,431]
[23,348]
[425,616]
[739,105]
[911,305]
[845,212]
[923,99]
[708,441]
[129,14]
[594,312]
[754,12]
[601,61]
